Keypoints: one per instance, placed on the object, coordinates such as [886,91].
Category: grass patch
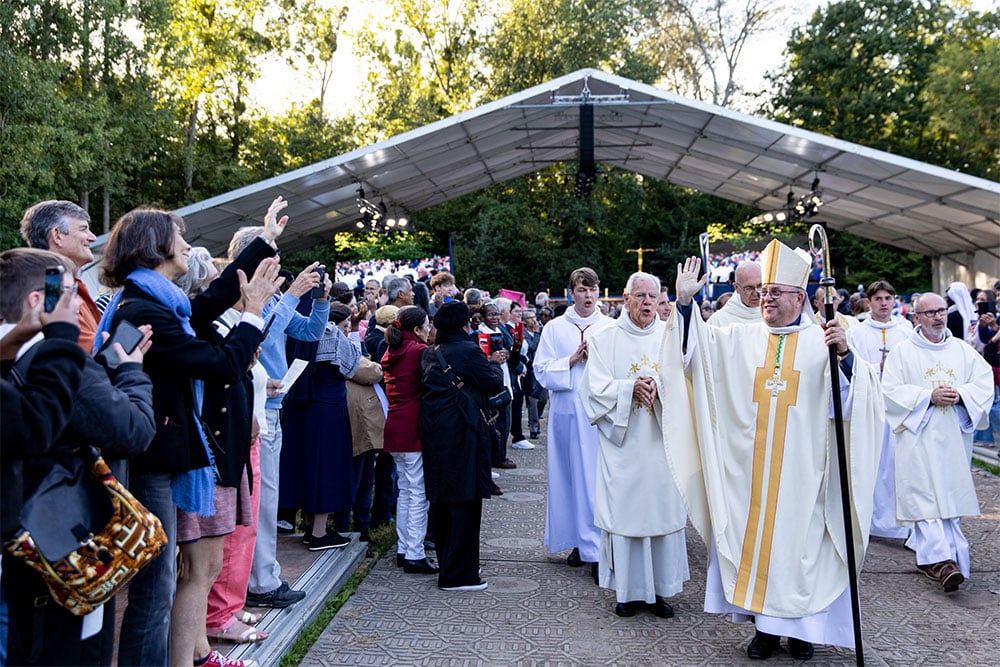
[382,540]
[989,467]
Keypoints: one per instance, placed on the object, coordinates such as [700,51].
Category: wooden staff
[827,281]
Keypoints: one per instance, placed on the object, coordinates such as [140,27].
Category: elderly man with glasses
[638,508]
[937,390]
[744,307]
[750,440]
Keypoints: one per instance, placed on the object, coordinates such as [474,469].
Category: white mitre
[784,266]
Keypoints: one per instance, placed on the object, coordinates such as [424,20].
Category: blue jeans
[990,434]
[145,632]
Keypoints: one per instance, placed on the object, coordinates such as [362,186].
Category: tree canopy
[119,103]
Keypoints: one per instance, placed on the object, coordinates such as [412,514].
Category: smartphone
[53,287]
[317,292]
[125,333]
[985,307]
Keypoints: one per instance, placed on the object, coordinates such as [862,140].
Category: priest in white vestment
[938,390]
[572,440]
[872,339]
[753,452]
[638,508]
[744,306]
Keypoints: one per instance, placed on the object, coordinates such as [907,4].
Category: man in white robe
[819,298]
[744,306]
[572,440]
[762,485]
[638,508]
[938,390]
[872,340]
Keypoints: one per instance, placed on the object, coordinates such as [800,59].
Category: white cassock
[934,484]
[873,341]
[734,312]
[637,506]
[572,441]
[753,452]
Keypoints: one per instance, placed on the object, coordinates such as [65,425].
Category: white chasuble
[873,341]
[934,444]
[636,496]
[572,440]
[762,484]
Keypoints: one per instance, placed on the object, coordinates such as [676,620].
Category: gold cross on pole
[639,252]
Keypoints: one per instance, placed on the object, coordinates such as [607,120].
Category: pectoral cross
[775,384]
[885,352]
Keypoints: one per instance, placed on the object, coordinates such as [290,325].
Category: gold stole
[774,383]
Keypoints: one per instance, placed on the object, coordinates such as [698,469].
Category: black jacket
[35,409]
[176,358]
[455,439]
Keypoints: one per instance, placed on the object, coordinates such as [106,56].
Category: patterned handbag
[85,533]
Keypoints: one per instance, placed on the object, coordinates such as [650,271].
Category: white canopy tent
[947,215]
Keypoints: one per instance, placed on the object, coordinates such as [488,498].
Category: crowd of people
[257,402]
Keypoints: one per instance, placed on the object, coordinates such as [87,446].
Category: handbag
[500,400]
[84,533]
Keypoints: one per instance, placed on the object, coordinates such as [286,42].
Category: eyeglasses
[933,313]
[642,296]
[774,293]
[750,289]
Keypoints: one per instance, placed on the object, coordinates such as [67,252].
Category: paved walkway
[539,611]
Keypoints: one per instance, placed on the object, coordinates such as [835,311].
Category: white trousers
[936,540]
[411,506]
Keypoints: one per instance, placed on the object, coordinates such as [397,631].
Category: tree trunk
[190,133]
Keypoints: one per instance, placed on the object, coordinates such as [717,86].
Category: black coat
[454,437]
[176,358]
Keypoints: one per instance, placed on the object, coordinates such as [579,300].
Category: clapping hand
[258,291]
[272,225]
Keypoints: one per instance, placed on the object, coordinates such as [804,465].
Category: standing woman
[406,338]
[145,253]
[456,442]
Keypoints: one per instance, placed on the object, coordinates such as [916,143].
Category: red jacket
[401,367]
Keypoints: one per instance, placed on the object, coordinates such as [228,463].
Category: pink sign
[516,297]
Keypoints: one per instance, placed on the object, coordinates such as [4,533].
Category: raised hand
[305,281]
[258,291]
[688,284]
[272,225]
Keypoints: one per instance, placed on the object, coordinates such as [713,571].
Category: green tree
[857,70]
[533,42]
[962,95]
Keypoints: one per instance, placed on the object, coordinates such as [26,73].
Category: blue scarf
[194,490]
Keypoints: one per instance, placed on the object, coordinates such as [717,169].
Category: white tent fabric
[877,195]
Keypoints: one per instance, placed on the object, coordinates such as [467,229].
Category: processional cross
[639,252]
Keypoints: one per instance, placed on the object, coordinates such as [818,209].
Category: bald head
[747,282]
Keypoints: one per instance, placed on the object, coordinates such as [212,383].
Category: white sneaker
[494,475]
[522,444]
[481,586]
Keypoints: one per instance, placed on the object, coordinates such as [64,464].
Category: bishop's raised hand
[688,284]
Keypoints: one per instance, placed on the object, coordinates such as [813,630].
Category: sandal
[248,617]
[238,633]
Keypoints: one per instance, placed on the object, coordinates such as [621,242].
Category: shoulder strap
[447,369]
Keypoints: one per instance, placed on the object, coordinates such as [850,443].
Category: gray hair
[199,269]
[503,304]
[243,237]
[641,275]
[473,296]
[395,286]
[39,221]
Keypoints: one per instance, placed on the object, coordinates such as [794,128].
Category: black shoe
[799,649]
[429,545]
[280,597]
[422,566]
[400,559]
[534,435]
[762,646]
[506,464]
[328,541]
[573,559]
[660,608]
[363,535]
[626,609]
[496,491]
[594,574]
